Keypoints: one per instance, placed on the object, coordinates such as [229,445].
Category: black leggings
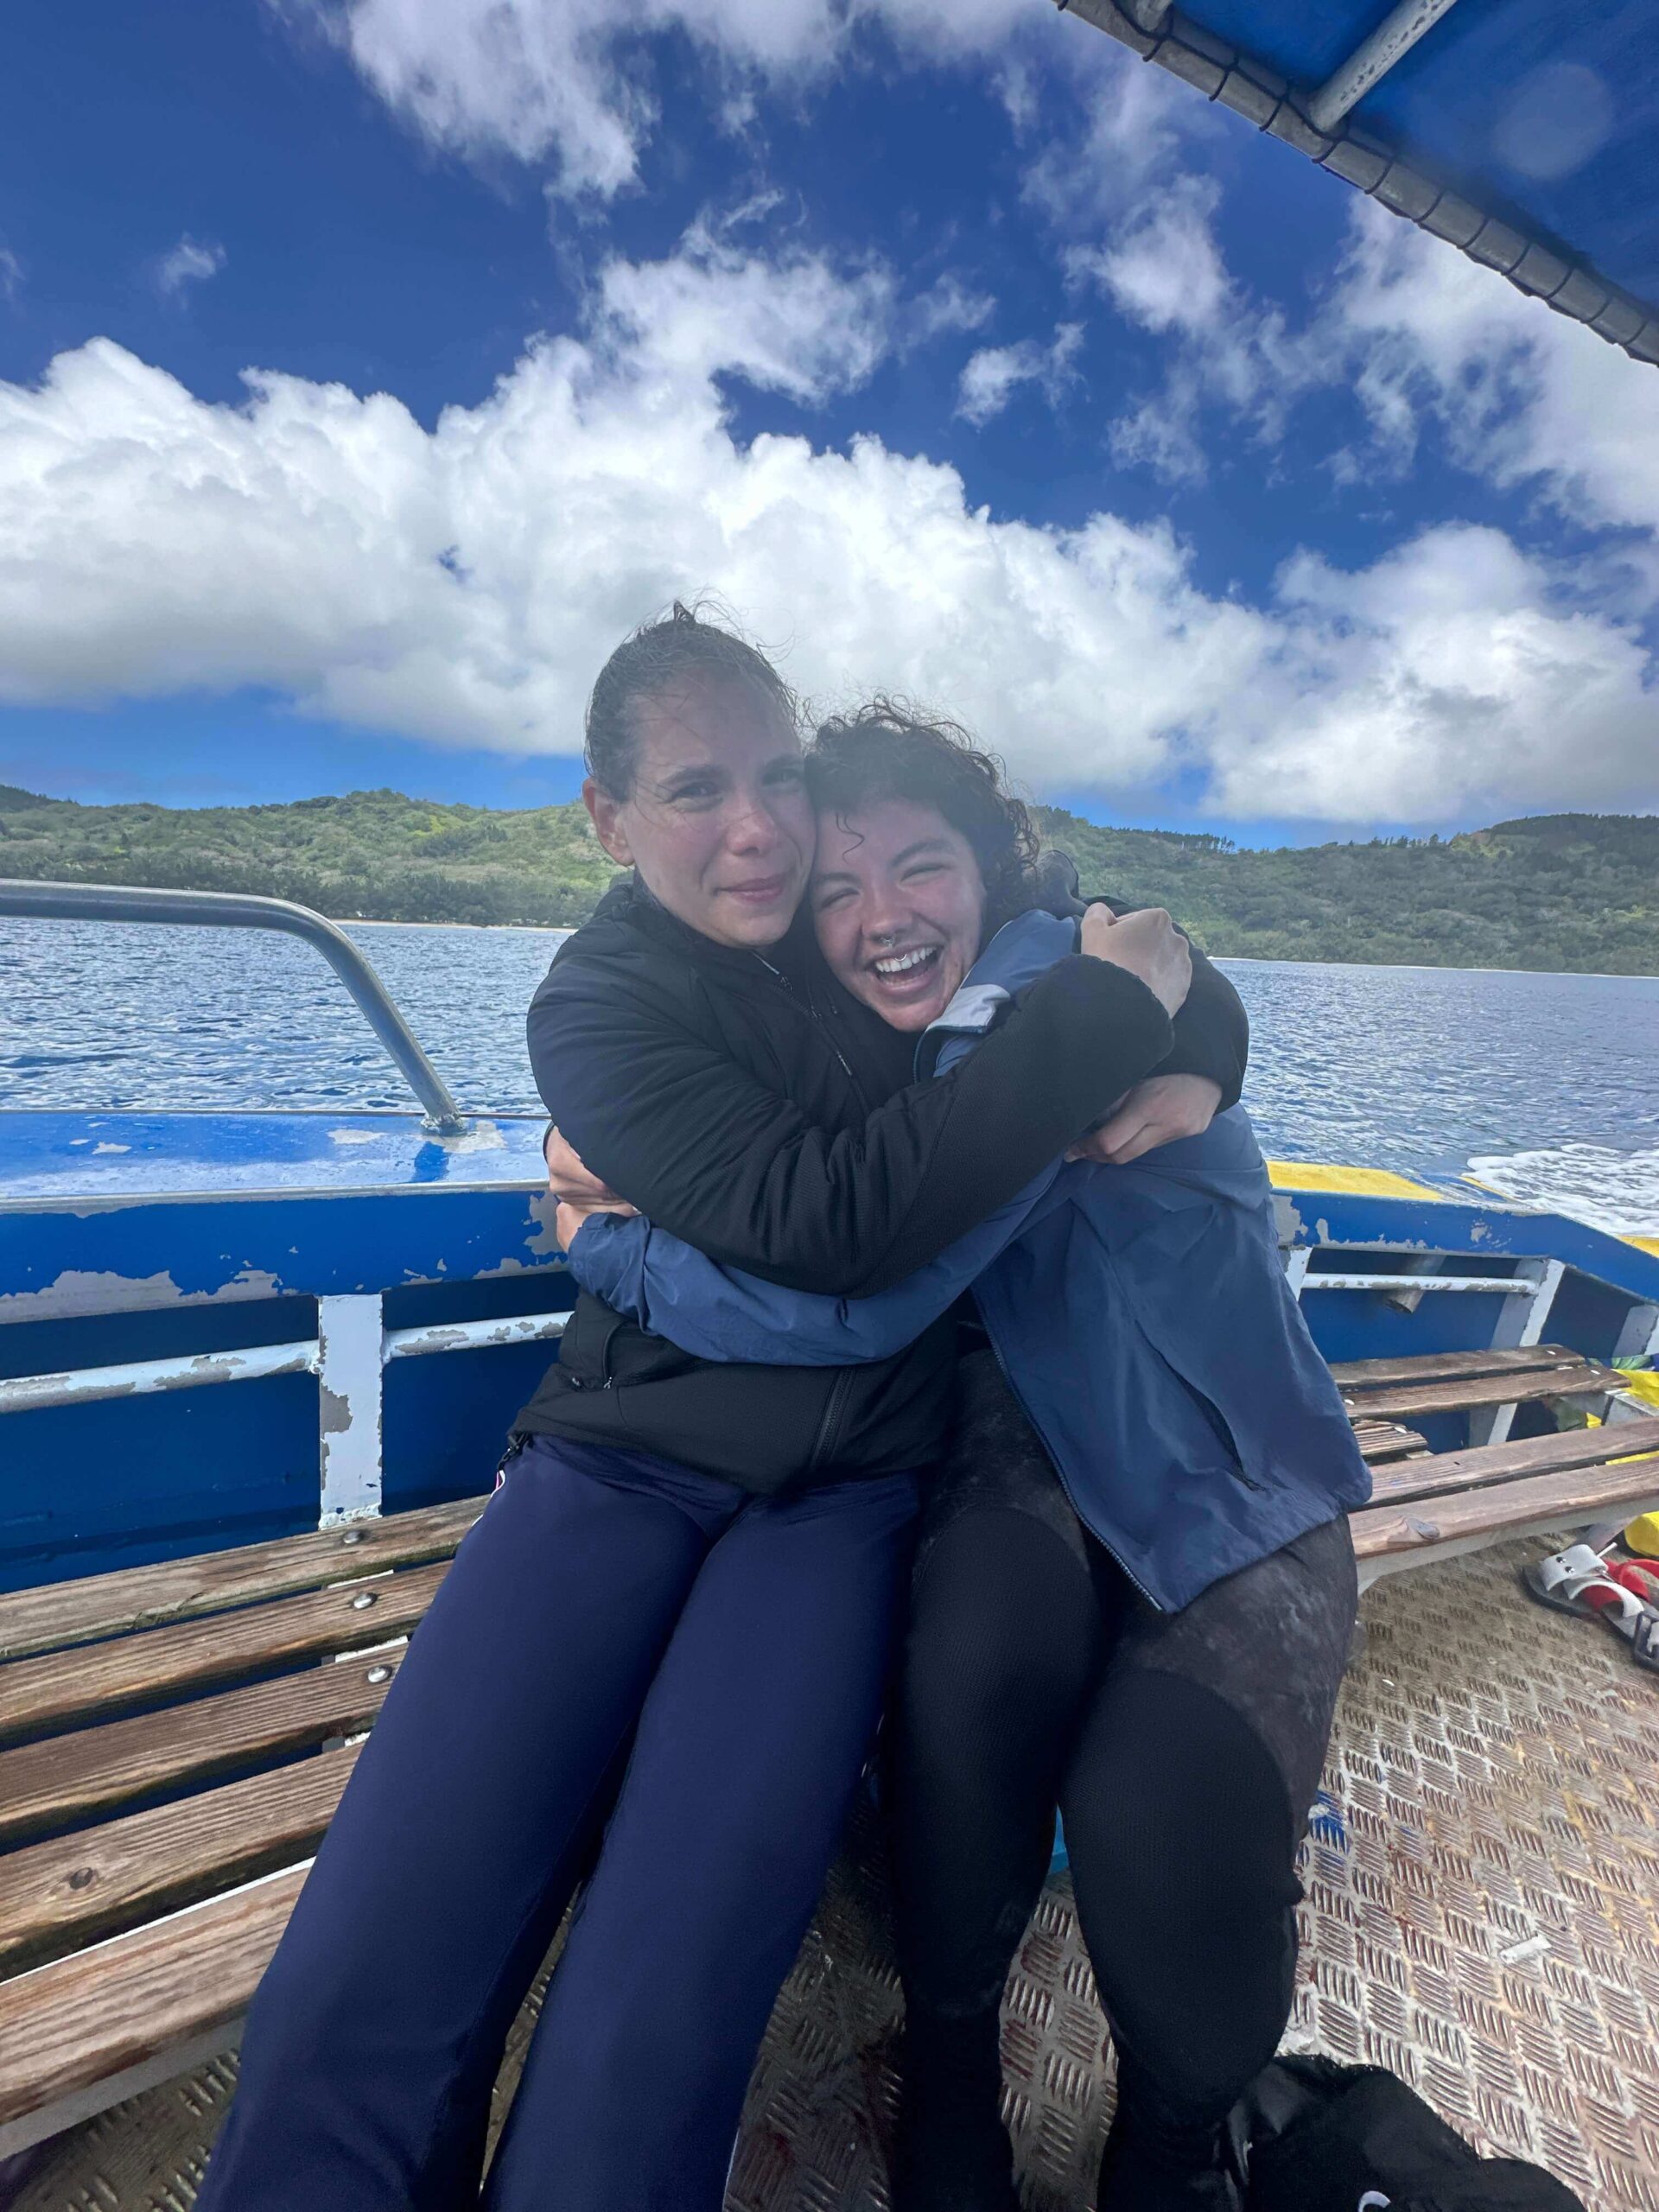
[1184,1752]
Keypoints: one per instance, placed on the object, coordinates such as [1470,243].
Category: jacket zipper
[829,1419]
[810,1006]
[1111,1550]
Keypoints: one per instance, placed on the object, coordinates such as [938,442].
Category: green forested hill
[373,855]
[1564,890]
[1561,891]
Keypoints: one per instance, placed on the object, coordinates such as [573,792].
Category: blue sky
[960,353]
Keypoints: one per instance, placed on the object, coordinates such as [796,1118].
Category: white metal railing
[348,1356]
[1499,1286]
[84,1386]
[1534,1280]
[470,1336]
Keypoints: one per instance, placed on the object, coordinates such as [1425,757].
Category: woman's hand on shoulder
[1157,1111]
[1149,944]
[578,1191]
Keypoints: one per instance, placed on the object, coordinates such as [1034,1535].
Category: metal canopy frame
[1314,119]
[1373,58]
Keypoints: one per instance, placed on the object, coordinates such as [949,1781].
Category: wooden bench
[136,1919]
[1435,1506]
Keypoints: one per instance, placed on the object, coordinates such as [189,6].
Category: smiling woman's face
[898,905]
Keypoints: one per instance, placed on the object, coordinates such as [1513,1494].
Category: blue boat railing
[352,1347]
[112,902]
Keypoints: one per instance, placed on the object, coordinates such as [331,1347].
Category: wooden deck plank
[1450,1366]
[1387,1439]
[1412,1401]
[1450,1471]
[45,1785]
[60,1896]
[145,1597]
[80,2020]
[1582,1494]
[57,1686]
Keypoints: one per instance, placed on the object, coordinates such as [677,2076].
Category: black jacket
[745,1102]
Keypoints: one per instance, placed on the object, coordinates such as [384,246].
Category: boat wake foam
[1611,1188]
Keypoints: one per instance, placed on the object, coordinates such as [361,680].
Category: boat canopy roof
[1524,132]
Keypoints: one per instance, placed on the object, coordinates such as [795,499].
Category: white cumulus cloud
[992,376]
[189,262]
[792,324]
[947,305]
[1121,184]
[1455,676]
[461,585]
[556,79]
[1165,270]
[1096,168]
[1526,397]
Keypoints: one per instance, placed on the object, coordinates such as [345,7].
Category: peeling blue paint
[231,1206]
[190,1251]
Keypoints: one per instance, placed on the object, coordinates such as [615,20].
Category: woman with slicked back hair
[674,1621]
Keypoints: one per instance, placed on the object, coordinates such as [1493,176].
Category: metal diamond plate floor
[1483,1916]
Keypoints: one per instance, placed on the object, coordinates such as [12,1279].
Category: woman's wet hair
[663,656]
[889,750]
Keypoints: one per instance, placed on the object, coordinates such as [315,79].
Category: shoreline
[1391,966]
[484,929]
[1222,959]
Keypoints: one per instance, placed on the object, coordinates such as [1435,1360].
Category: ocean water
[1547,1087]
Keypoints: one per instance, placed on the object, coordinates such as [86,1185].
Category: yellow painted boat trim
[1363,1182]
[1383,1183]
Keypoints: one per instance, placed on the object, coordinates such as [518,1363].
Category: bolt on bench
[174,1739]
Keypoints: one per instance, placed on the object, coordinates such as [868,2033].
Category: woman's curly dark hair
[889,749]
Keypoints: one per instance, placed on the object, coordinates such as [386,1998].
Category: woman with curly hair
[1135,1589]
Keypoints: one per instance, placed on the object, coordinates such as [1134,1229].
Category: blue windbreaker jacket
[1141,1314]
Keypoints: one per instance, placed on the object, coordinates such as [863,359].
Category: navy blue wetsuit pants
[608,1606]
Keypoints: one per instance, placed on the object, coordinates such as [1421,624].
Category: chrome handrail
[113,902]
